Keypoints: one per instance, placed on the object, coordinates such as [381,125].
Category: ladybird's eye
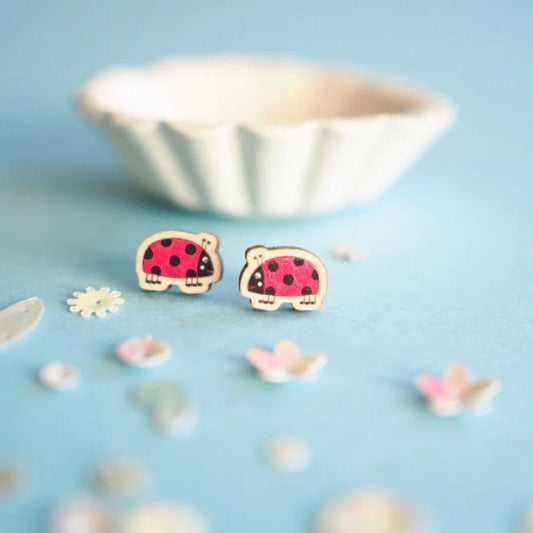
[257,275]
[259,283]
[205,259]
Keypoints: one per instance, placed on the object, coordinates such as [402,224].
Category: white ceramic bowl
[246,136]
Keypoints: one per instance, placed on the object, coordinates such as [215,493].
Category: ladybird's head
[205,265]
[256,283]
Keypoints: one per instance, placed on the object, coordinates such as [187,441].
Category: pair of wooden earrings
[270,277]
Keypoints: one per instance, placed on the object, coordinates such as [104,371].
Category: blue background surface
[449,276]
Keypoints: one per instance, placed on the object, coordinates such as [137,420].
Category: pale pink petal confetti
[285,363]
[454,394]
[147,352]
[81,515]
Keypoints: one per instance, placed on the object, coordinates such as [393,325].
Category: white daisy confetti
[58,376]
[93,301]
[351,253]
[369,512]
[286,363]
[288,454]
[119,478]
[81,515]
[455,393]
[164,518]
[144,353]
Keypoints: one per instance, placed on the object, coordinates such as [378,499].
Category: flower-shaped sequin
[455,393]
[286,363]
[95,301]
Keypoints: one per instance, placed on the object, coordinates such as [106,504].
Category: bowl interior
[207,91]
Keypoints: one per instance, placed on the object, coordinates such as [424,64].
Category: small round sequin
[369,511]
[288,454]
[157,393]
[145,353]
[120,478]
[59,376]
[179,417]
[11,479]
[81,515]
[164,518]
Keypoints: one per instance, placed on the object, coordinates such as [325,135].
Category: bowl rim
[426,101]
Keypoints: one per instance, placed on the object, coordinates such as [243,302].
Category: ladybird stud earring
[188,260]
[285,274]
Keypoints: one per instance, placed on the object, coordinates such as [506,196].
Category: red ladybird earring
[188,260]
[285,274]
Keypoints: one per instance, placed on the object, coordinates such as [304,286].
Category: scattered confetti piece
[286,363]
[369,512]
[171,412]
[144,353]
[58,376]
[164,518]
[95,301]
[528,521]
[19,319]
[121,478]
[157,393]
[351,253]
[81,515]
[179,417]
[11,479]
[288,454]
[455,394]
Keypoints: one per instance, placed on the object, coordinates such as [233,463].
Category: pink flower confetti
[145,353]
[455,393]
[286,363]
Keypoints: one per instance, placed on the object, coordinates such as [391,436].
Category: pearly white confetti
[288,454]
[121,478]
[58,376]
[19,319]
[351,253]
[81,515]
[369,511]
[179,417]
[164,518]
[144,353]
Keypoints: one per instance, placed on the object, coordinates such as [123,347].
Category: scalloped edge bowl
[249,136]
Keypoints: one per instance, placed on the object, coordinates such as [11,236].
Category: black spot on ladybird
[166,242]
[190,249]
[270,290]
[298,261]
[288,279]
[174,260]
[149,253]
[273,266]
[306,291]
[191,273]
[314,275]
[156,270]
